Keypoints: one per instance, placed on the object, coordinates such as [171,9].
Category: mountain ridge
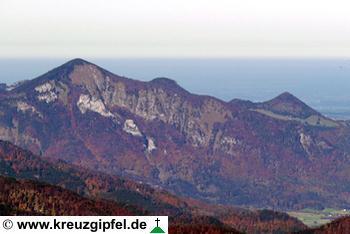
[66,68]
[236,152]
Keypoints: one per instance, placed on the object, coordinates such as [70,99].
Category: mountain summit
[267,154]
[286,103]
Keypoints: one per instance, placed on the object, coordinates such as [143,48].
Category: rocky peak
[168,84]
[58,74]
[287,104]
[241,103]
[164,81]
[286,97]
[76,61]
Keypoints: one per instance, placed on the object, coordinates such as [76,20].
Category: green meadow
[314,218]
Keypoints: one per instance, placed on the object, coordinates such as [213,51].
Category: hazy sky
[176,28]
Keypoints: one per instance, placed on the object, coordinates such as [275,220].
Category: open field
[314,218]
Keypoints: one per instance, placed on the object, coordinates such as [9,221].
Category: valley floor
[316,218]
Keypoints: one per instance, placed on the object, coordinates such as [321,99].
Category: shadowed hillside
[133,197]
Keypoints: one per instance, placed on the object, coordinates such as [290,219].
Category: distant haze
[321,83]
[180,28]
